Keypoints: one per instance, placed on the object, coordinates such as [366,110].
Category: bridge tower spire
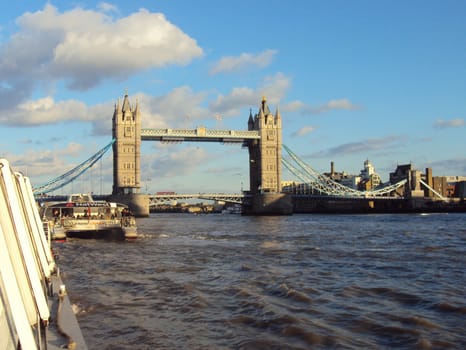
[126,130]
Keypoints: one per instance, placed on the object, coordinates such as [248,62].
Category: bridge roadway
[161,198]
[199,134]
[225,197]
[244,198]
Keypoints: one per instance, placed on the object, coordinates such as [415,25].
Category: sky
[383,81]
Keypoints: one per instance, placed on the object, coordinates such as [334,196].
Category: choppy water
[297,282]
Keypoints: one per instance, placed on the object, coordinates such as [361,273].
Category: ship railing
[27,268]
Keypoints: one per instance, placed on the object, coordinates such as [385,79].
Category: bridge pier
[269,204]
[138,203]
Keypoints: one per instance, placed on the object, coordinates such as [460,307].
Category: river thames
[291,282]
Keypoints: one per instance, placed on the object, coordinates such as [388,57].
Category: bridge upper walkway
[199,134]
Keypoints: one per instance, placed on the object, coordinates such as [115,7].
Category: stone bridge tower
[126,130]
[265,154]
[265,168]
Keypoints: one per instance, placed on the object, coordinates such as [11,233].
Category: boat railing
[128,221]
[27,268]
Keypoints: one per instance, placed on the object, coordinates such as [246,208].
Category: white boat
[234,209]
[35,311]
[83,217]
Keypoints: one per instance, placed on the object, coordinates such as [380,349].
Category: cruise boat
[83,217]
[35,310]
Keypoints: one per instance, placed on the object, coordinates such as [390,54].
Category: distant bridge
[224,197]
[157,199]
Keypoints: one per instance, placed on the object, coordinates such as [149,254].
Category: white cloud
[331,105]
[117,49]
[45,111]
[447,166]
[294,106]
[182,162]
[47,163]
[73,149]
[84,47]
[245,60]
[273,88]
[452,123]
[363,146]
[181,107]
[339,104]
[107,7]
[239,97]
[304,131]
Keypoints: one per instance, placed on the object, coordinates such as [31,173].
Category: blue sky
[354,80]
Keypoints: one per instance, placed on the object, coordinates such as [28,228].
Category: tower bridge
[263,139]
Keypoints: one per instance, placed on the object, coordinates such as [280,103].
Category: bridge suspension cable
[72,174]
[325,185]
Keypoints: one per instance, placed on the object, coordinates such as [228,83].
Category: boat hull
[130,232]
[128,225]
[113,234]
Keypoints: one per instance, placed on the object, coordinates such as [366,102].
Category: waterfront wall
[286,204]
[307,204]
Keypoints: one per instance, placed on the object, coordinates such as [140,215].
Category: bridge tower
[265,168]
[265,154]
[126,130]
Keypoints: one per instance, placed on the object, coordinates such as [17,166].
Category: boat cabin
[82,206]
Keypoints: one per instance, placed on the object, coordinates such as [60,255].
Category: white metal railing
[21,280]
[26,264]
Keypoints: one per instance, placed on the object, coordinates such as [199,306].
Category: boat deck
[63,332]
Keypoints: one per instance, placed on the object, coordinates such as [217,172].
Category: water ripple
[300,282]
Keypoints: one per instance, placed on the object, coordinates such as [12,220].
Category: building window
[128,131]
